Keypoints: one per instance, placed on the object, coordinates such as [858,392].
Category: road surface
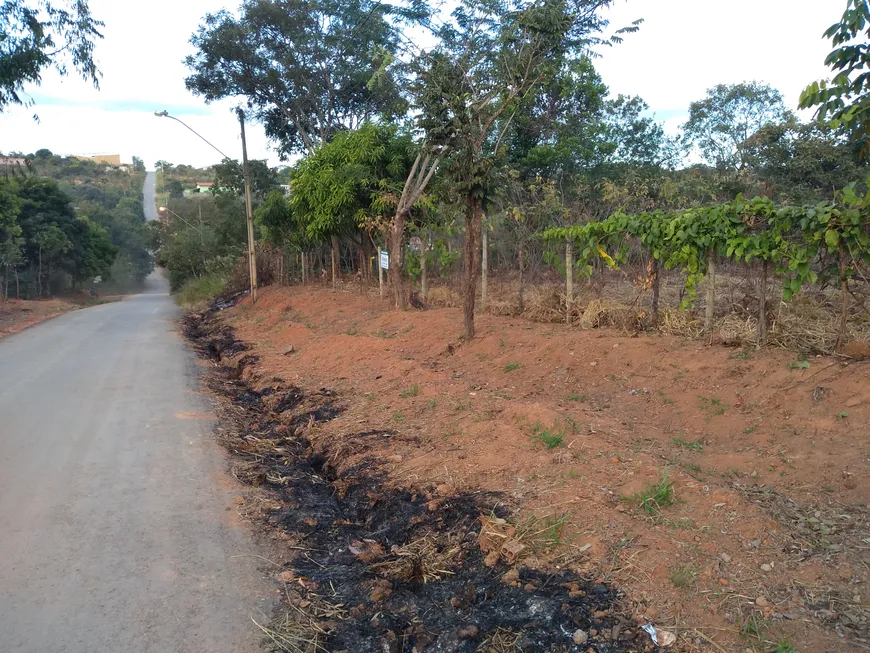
[118,526]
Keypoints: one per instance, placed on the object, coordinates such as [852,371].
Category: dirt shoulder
[18,314]
[720,489]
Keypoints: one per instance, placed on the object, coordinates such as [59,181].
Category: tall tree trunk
[424,250]
[484,267]
[39,274]
[304,267]
[762,307]
[17,286]
[711,293]
[473,219]
[569,281]
[6,284]
[396,273]
[656,288]
[521,300]
[844,310]
[336,253]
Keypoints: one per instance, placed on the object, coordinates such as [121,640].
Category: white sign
[385,260]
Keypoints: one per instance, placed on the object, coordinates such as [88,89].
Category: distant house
[204,187]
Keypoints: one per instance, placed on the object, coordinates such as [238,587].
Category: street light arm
[165,114]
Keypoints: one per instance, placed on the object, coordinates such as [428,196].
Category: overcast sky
[683,48]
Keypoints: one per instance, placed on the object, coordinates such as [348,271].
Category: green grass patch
[510,367]
[712,405]
[202,289]
[413,391]
[380,333]
[687,444]
[398,416]
[549,437]
[683,576]
[655,496]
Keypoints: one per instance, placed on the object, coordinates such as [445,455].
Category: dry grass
[426,559]
[304,627]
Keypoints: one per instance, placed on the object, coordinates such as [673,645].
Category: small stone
[593,363]
[762,602]
[511,576]
[289,350]
[395,458]
[766,567]
[580,637]
[529,587]
[723,582]
[468,632]
[286,577]
[725,558]
[383,588]
[491,559]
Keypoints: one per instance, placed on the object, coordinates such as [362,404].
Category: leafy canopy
[845,99]
[40,34]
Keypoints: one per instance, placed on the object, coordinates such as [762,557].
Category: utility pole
[252,256]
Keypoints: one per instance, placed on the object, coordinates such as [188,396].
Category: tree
[10,232]
[721,124]
[51,242]
[803,162]
[845,99]
[307,68]
[490,59]
[36,35]
[138,164]
[634,138]
[230,175]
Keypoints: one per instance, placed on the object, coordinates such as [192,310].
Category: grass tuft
[655,496]
[510,367]
[413,391]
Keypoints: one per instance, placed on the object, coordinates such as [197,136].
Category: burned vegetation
[383,568]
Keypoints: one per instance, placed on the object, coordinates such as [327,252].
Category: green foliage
[687,444]
[549,437]
[721,124]
[36,35]
[514,365]
[785,646]
[655,496]
[201,289]
[413,391]
[845,99]
[308,68]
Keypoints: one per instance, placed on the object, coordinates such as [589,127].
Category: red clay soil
[765,536]
[18,314]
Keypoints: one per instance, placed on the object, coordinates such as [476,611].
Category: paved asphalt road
[118,530]
[148,192]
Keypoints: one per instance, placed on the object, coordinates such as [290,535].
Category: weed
[380,333]
[481,357]
[744,354]
[683,575]
[413,391]
[463,405]
[570,422]
[501,343]
[431,404]
[510,367]
[576,397]
[408,329]
[754,627]
[655,496]
[311,325]
[667,401]
[692,467]
[551,438]
[543,532]
[573,473]
[712,405]
[749,429]
[843,414]
[686,444]
[398,416]
[785,646]
[800,364]
[351,332]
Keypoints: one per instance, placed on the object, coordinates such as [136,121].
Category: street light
[252,257]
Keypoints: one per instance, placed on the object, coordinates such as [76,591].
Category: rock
[665,638]
[511,576]
[382,589]
[491,559]
[286,577]
[529,587]
[395,458]
[468,632]
[762,602]
[723,582]
[289,350]
[725,558]
[766,567]
[580,637]
[443,489]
